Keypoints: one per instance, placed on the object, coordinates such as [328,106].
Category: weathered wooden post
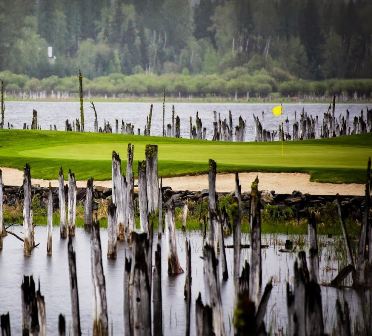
[142,196]
[212,288]
[255,280]
[187,288]
[313,248]
[119,194]
[30,315]
[61,325]
[2,228]
[5,325]
[88,207]
[71,209]
[75,309]
[81,94]
[139,287]
[50,221]
[130,191]
[160,222]
[34,125]
[174,267]
[62,204]
[152,181]
[111,231]
[100,318]
[27,213]
[157,298]
[203,318]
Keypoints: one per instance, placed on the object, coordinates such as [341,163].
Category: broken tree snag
[119,194]
[75,310]
[262,307]
[139,287]
[236,226]
[255,280]
[212,206]
[174,267]
[238,188]
[5,325]
[95,118]
[81,94]
[349,253]
[142,196]
[342,325]
[203,318]
[367,216]
[88,207]
[212,184]
[160,212]
[157,299]
[185,212]
[2,228]
[127,270]
[28,227]
[111,231]
[50,221]
[313,248]
[225,273]
[62,325]
[71,206]
[212,288]
[187,288]
[130,191]
[62,204]
[341,276]
[30,321]
[100,318]
[2,108]
[152,180]
[34,125]
[41,312]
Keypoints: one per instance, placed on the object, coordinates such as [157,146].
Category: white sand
[282,183]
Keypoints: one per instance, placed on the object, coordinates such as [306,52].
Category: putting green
[341,159]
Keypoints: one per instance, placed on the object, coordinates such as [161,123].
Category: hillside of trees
[267,41]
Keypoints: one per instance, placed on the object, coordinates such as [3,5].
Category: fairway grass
[336,160]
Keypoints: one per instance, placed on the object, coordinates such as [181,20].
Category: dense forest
[284,40]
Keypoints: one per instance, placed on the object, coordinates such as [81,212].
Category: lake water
[53,275]
[55,113]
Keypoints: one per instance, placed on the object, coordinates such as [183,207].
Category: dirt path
[282,183]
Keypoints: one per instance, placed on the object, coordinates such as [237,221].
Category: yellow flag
[277,110]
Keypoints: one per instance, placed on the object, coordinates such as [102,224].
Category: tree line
[302,39]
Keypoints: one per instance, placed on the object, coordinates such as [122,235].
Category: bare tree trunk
[30,322]
[130,191]
[174,267]
[152,181]
[184,215]
[88,207]
[187,290]
[41,313]
[256,262]
[313,248]
[50,221]
[5,325]
[2,229]
[203,318]
[71,203]
[100,318]
[127,270]
[225,273]
[27,213]
[212,288]
[2,108]
[75,309]
[236,240]
[213,221]
[119,194]
[111,231]
[142,196]
[61,325]
[350,259]
[157,294]
[160,222]
[81,101]
[62,204]
[139,287]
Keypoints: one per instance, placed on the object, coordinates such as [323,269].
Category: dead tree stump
[5,325]
[130,191]
[139,287]
[203,318]
[152,180]
[142,196]
[187,288]
[27,213]
[313,248]
[62,204]
[174,267]
[127,270]
[75,309]
[100,318]
[212,289]
[88,206]
[61,325]
[111,231]
[30,316]
[71,209]
[160,212]
[119,194]
[2,228]
[50,222]
[157,294]
[235,212]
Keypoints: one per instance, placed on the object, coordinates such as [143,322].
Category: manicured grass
[335,160]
